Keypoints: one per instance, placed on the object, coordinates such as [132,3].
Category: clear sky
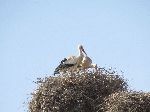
[36,34]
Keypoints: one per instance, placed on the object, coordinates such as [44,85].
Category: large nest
[127,102]
[83,91]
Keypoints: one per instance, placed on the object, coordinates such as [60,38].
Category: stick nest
[128,102]
[84,91]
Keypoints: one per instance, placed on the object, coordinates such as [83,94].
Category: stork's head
[80,47]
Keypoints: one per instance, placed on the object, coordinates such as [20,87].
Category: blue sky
[36,34]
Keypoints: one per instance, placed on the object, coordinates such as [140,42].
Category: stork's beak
[84,51]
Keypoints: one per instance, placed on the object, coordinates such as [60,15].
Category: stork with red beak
[71,62]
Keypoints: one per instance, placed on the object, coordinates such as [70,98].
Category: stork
[72,61]
[87,63]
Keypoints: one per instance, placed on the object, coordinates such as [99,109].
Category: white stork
[87,63]
[72,61]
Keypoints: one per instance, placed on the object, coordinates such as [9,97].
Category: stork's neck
[80,53]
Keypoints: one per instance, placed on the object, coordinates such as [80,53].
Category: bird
[87,63]
[72,61]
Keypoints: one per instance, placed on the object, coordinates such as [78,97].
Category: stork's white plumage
[72,61]
[87,63]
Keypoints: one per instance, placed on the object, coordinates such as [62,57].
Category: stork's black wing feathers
[63,60]
[62,65]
